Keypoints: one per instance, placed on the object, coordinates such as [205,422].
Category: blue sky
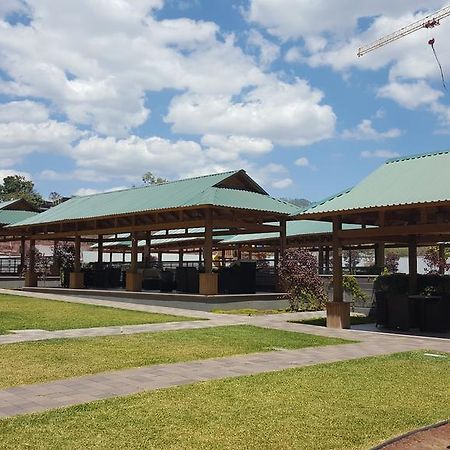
[94,93]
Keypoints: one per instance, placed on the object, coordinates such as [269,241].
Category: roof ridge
[416,156]
[160,184]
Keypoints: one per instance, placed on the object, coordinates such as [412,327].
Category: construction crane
[430,21]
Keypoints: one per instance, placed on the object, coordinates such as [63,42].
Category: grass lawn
[322,321]
[52,359]
[348,405]
[22,313]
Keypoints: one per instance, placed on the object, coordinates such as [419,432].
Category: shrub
[300,278]
[391,262]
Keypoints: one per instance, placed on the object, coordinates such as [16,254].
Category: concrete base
[76,280]
[338,315]
[31,279]
[208,284]
[134,282]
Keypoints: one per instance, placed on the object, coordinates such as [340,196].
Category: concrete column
[31,279]
[412,263]
[338,311]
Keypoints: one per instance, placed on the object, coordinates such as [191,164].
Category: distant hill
[301,202]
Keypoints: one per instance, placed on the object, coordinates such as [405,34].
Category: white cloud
[287,114]
[295,19]
[366,131]
[18,139]
[229,148]
[302,162]
[410,95]
[11,172]
[89,191]
[294,55]
[98,73]
[385,154]
[24,111]
[268,51]
[282,184]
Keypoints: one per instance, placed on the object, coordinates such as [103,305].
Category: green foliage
[16,186]
[300,279]
[149,178]
[351,285]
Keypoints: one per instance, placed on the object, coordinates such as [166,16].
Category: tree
[300,278]
[148,178]
[391,262]
[435,263]
[55,197]
[17,186]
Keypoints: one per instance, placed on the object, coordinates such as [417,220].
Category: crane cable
[431,43]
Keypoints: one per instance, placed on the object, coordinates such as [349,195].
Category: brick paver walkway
[39,397]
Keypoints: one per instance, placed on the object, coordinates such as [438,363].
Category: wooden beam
[338,291]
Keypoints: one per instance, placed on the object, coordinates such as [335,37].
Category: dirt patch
[437,438]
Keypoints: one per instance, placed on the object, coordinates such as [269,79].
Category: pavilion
[204,207]
[405,201]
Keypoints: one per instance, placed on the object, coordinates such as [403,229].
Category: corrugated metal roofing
[177,194]
[293,228]
[10,216]
[400,181]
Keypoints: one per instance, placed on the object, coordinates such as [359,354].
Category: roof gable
[205,190]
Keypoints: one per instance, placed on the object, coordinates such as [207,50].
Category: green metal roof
[293,228]
[400,181]
[177,194]
[10,216]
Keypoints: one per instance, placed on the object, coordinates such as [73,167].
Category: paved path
[212,320]
[40,397]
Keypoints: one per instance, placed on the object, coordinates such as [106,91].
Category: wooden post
[208,281]
[282,237]
[147,247]
[412,263]
[223,258]
[76,280]
[207,249]
[134,253]
[134,278]
[31,275]
[100,248]
[338,311]
[180,257]
[327,259]
[111,256]
[22,252]
[320,259]
[379,256]
[442,258]
[55,262]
